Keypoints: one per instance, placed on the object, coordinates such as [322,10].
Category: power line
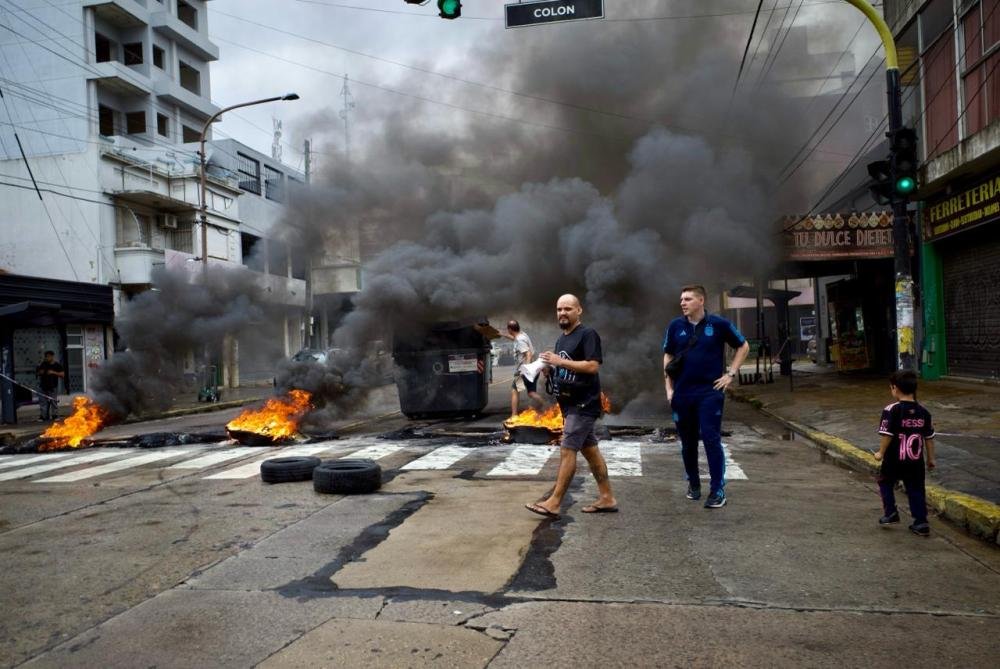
[766,70]
[88,68]
[919,118]
[423,70]
[763,36]
[857,94]
[743,61]
[637,19]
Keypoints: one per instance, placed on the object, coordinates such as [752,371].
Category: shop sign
[839,236]
[978,204]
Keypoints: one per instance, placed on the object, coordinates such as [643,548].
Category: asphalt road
[183,558]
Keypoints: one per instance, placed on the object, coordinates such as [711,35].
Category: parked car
[376,353]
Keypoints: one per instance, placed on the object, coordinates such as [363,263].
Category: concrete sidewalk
[840,412]
[29,426]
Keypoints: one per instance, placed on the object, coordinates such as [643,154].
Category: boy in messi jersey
[907,433]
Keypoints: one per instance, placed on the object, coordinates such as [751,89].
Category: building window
[249,173]
[159,56]
[105,120]
[273,186]
[135,122]
[277,258]
[190,77]
[187,14]
[180,237]
[133,228]
[103,48]
[980,90]
[162,125]
[189,135]
[253,252]
[132,53]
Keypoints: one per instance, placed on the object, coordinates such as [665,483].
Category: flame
[605,403]
[551,419]
[86,419]
[278,418]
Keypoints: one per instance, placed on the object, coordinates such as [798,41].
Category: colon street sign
[551,11]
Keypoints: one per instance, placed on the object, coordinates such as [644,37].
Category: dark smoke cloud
[677,183]
[468,214]
[161,327]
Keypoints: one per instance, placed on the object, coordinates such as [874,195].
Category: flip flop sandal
[599,509]
[541,511]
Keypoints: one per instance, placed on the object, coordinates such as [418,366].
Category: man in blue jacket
[696,392]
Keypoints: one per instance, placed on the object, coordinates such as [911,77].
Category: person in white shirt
[524,353]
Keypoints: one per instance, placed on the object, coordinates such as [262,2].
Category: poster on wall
[807,327]
[93,349]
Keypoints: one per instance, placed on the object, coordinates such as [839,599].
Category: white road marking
[524,461]
[252,469]
[624,458]
[439,458]
[59,464]
[218,457]
[17,462]
[734,472]
[374,452]
[111,467]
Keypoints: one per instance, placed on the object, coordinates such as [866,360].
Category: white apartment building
[107,100]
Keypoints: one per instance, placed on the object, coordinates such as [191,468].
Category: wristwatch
[731,374]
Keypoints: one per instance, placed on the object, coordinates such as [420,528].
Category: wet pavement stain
[321,584]
[537,571]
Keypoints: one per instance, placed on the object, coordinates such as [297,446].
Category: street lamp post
[201,156]
[905,349]
[203,200]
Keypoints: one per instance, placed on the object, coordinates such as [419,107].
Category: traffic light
[903,149]
[882,185]
[449,9]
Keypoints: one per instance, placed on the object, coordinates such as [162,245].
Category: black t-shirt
[578,393]
[909,425]
[48,381]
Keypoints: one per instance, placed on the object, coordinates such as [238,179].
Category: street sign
[523,14]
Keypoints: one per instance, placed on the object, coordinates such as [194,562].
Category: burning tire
[288,469]
[347,477]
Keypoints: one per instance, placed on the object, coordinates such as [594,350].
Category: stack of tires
[338,477]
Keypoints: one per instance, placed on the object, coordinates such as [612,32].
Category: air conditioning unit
[166,221]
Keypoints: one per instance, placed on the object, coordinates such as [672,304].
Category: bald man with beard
[574,369]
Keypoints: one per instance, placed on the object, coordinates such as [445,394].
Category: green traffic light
[905,185]
[450,9]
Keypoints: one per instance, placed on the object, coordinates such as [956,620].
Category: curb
[980,517]
[208,407]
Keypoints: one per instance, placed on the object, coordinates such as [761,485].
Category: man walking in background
[693,362]
[575,364]
[524,352]
[49,372]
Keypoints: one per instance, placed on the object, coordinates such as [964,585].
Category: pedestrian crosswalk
[236,463]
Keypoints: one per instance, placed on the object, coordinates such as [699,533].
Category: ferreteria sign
[838,236]
[552,11]
[948,214]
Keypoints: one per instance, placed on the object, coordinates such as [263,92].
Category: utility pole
[276,140]
[310,298]
[905,351]
[307,150]
[345,113]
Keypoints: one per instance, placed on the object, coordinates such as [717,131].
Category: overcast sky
[252,48]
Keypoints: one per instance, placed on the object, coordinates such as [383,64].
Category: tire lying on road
[347,477]
[288,469]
